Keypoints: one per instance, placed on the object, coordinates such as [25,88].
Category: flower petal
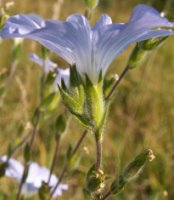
[103,21]
[141,26]
[69,39]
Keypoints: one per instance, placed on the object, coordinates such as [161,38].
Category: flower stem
[58,137]
[62,174]
[124,72]
[98,152]
[33,136]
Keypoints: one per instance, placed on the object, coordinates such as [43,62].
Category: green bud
[60,124]
[133,169]
[142,49]
[91,4]
[152,43]
[44,191]
[137,57]
[95,180]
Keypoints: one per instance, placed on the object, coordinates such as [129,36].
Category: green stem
[124,72]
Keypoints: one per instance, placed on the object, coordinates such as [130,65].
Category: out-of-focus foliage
[141,114]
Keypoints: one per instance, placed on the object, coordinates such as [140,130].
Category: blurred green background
[141,115]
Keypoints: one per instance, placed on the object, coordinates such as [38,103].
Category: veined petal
[82,40]
[103,21]
[142,25]
[69,39]
[14,168]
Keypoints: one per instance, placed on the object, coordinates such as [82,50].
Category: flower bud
[137,57]
[142,49]
[152,43]
[133,169]
[95,180]
[91,4]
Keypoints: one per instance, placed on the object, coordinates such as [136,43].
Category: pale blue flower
[91,49]
[14,169]
[36,176]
